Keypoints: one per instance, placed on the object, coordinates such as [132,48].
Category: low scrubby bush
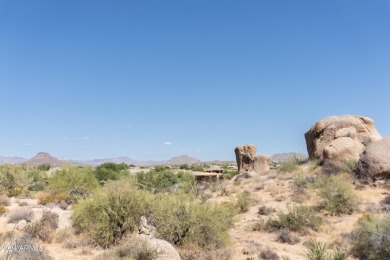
[264,210]
[3,209]
[371,239]
[295,219]
[288,166]
[243,201]
[115,209]
[165,180]
[68,185]
[285,236]
[111,171]
[118,207]
[14,179]
[4,200]
[337,196]
[51,196]
[45,227]
[20,214]
[71,177]
[138,250]
[179,220]
[268,254]
[43,167]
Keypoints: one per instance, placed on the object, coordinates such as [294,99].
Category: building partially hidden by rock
[249,161]
[215,169]
[340,138]
[207,176]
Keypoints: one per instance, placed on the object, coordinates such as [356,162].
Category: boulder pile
[340,138]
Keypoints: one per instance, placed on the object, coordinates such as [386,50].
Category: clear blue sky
[155,79]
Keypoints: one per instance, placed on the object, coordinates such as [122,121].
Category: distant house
[214,169]
[206,176]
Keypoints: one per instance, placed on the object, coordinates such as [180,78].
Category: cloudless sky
[154,79]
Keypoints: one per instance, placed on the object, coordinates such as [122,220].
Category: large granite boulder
[340,138]
[374,162]
[249,161]
[146,232]
[261,163]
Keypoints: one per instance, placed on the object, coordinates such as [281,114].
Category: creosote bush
[3,209]
[117,208]
[289,166]
[111,171]
[45,227]
[264,210]
[243,201]
[371,239]
[336,195]
[68,185]
[4,200]
[14,179]
[20,214]
[71,177]
[296,219]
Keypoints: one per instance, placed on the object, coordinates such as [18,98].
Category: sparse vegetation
[286,236]
[371,239]
[118,207]
[3,209]
[137,250]
[111,171]
[317,250]
[43,167]
[243,201]
[4,200]
[268,254]
[264,210]
[20,214]
[288,166]
[45,227]
[337,195]
[296,219]
[14,179]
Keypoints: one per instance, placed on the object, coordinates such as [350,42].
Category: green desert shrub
[289,166]
[71,177]
[197,167]
[243,201]
[111,171]
[43,167]
[14,179]
[296,218]
[3,209]
[181,221]
[371,239]
[337,196]
[117,208]
[165,180]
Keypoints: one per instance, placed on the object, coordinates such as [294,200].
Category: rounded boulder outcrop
[340,138]
[374,162]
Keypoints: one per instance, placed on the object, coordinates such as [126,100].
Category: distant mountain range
[46,158]
[11,160]
[281,157]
